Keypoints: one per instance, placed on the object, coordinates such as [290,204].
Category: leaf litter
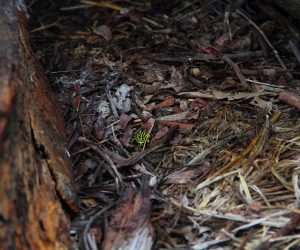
[182,120]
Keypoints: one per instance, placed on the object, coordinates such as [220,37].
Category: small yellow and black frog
[142,137]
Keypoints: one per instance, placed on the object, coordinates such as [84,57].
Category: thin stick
[89,223]
[265,38]
[226,21]
[236,69]
[108,160]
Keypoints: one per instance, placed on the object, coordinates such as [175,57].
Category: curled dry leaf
[181,125]
[210,50]
[186,175]
[161,133]
[259,102]
[103,31]
[130,226]
[124,120]
[84,167]
[166,103]
[148,125]
[128,133]
[175,117]
[177,81]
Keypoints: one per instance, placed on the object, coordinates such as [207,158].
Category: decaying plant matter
[182,121]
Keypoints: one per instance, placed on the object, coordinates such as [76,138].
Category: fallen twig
[192,57]
[265,38]
[90,222]
[236,69]
[109,161]
[290,98]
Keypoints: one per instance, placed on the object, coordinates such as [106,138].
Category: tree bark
[36,187]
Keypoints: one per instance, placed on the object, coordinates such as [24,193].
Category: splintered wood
[35,175]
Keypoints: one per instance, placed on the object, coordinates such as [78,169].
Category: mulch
[182,120]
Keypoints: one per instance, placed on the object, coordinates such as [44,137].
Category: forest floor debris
[182,120]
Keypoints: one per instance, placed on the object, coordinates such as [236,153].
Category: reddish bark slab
[290,98]
[35,178]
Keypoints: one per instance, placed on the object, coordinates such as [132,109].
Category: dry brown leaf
[130,226]
[187,174]
[103,31]
[149,124]
[175,117]
[124,120]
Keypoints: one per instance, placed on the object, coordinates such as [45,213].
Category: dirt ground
[182,120]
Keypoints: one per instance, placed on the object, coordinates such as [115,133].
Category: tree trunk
[35,179]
